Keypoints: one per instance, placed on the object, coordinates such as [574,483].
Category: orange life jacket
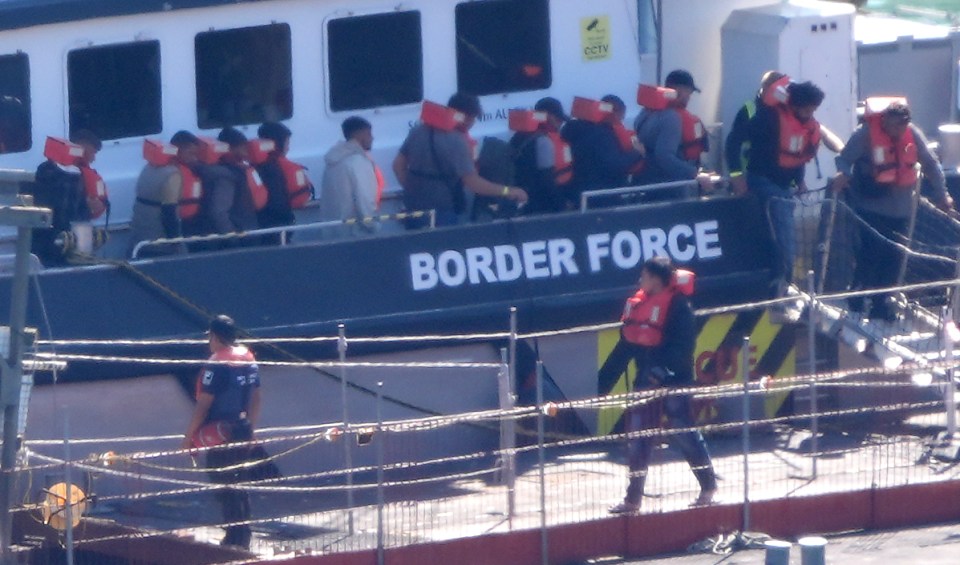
[190,194]
[894,160]
[158,153]
[645,316]
[98,201]
[526,121]
[562,159]
[258,190]
[655,97]
[595,111]
[776,93]
[441,117]
[798,140]
[627,139]
[693,139]
[381,181]
[299,187]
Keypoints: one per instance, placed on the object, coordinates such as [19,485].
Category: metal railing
[588,195]
[283,230]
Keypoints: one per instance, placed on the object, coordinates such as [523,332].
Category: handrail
[282,230]
[587,195]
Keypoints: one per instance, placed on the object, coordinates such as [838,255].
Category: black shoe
[856,304]
[883,311]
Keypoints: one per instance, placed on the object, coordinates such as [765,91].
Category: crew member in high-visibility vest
[674,138]
[71,193]
[783,138]
[227,411]
[228,198]
[436,164]
[737,147]
[163,192]
[543,161]
[352,181]
[658,334]
[879,165]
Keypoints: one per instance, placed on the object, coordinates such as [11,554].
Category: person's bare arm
[831,140]
[479,185]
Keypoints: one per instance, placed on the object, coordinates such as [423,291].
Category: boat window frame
[284,113]
[26,100]
[155,128]
[329,68]
[545,65]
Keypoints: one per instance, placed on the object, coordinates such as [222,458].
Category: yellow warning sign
[595,38]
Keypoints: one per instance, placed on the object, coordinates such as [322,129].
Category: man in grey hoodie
[351,182]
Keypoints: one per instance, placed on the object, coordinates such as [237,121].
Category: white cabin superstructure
[133,76]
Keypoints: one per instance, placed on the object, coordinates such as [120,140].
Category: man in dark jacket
[536,161]
[666,365]
[277,212]
[599,160]
[227,203]
[61,189]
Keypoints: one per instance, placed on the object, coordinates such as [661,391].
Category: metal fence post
[380,440]
[826,246]
[911,227]
[745,373]
[812,363]
[541,458]
[949,394]
[507,437]
[347,448]
[512,361]
[68,479]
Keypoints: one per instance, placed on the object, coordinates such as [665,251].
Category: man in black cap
[434,166]
[543,161]
[673,137]
[228,405]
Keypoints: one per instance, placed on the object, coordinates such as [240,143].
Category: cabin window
[375,60]
[15,133]
[114,90]
[243,76]
[503,46]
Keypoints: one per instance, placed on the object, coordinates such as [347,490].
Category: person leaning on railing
[878,165]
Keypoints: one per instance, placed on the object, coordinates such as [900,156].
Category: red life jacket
[562,159]
[798,140]
[627,139]
[158,153]
[441,117]
[655,97]
[693,139]
[381,181]
[299,187]
[894,160]
[645,316]
[95,190]
[190,194]
[258,190]
[526,121]
[595,111]
[776,93]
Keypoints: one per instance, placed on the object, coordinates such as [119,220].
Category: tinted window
[503,46]
[115,89]
[14,103]
[375,61]
[243,76]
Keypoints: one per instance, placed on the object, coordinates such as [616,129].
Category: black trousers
[648,416]
[878,259]
[234,503]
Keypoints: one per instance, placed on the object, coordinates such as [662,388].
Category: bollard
[777,552]
[813,550]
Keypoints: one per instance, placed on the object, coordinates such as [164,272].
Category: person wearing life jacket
[352,181]
[226,412]
[674,138]
[288,187]
[879,168]
[659,333]
[230,185]
[436,164]
[605,153]
[783,138]
[543,161]
[165,190]
[773,89]
[72,190]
